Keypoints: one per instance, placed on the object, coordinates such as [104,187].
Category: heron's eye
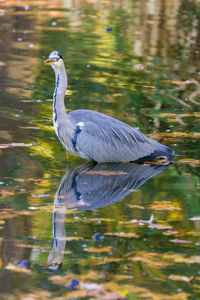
[58,58]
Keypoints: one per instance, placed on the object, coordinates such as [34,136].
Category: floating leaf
[5,193]
[170,232]
[112,259]
[23,245]
[57,279]
[136,206]
[178,241]
[181,258]
[91,275]
[69,238]
[99,250]
[160,226]
[181,278]
[4,146]
[152,259]
[7,213]
[40,196]
[179,82]
[123,234]
[164,205]
[101,220]
[16,268]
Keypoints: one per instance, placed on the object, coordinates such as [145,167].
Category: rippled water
[124,231]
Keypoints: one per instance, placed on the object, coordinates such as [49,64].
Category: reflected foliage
[137,61]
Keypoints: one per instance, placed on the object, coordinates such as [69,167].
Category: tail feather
[160,151]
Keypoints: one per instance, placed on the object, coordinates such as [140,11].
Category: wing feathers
[105,139]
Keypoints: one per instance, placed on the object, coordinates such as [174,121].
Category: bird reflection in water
[91,186]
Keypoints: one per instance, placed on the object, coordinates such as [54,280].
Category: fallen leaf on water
[179,82]
[27,179]
[91,286]
[178,241]
[7,213]
[91,275]
[152,259]
[170,232]
[181,278]
[33,207]
[57,279]
[106,172]
[135,206]
[23,245]
[164,205]
[112,259]
[40,195]
[159,226]
[5,193]
[99,250]
[69,238]
[181,258]
[123,234]
[4,146]
[16,268]
[101,220]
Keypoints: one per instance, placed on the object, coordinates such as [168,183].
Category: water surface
[123,231]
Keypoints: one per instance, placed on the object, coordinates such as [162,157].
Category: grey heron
[93,135]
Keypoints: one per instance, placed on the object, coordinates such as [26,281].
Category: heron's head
[55,60]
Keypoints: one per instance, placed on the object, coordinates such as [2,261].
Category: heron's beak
[48,61]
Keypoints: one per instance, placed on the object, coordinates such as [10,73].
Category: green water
[137,61]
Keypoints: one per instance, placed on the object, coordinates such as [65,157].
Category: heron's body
[96,136]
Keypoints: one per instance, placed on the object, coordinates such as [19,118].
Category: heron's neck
[63,125]
[59,92]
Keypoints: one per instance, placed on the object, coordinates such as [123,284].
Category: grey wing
[105,139]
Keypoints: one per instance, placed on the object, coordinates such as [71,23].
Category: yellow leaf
[100,250]
[123,234]
[164,205]
[181,278]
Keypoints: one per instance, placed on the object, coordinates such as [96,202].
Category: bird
[96,136]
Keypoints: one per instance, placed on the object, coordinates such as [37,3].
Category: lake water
[70,229]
